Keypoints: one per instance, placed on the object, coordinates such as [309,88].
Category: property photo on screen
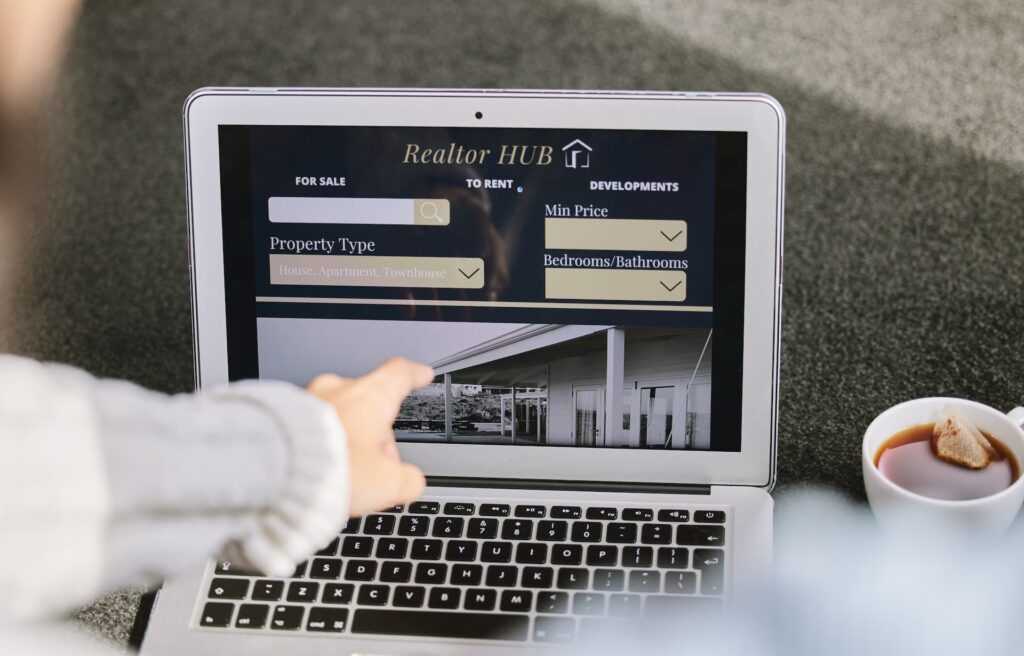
[521,384]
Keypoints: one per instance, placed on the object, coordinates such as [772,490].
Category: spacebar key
[441,625]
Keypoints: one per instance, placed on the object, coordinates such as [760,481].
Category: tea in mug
[909,459]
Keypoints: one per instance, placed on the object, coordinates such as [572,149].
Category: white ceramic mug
[901,512]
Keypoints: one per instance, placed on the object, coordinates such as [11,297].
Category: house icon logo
[577,154]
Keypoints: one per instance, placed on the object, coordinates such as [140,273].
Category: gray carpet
[905,180]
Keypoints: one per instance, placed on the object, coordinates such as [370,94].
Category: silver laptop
[596,279]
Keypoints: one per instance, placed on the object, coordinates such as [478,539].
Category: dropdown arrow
[673,237]
[673,287]
[469,275]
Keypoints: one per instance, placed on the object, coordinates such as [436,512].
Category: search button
[431,212]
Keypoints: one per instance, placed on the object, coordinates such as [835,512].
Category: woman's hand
[368,407]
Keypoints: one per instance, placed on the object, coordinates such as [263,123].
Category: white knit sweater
[105,484]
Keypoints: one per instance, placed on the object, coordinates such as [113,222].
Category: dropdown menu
[615,285]
[377,271]
[659,235]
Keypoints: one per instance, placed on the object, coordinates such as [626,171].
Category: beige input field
[615,285]
[377,271]
[615,234]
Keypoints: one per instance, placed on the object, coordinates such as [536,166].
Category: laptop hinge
[577,486]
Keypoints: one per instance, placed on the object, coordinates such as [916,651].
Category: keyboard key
[460,551]
[680,582]
[588,603]
[357,547]
[448,527]
[602,554]
[459,509]
[637,556]
[227,567]
[673,515]
[408,596]
[517,529]
[538,577]
[586,532]
[559,630]
[531,510]
[395,509]
[621,533]
[656,534]
[566,512]
[287,618]
[426,550]
[440,624]
[573,578]
[532,553]
[411,525]
[516,601]
[709,516]
[300,571]
[268,590]
[228,589]
[711,536]
[552,602]
[352,526]
[338,593]
[502,576]
[332,620]
[466,575]
[391,548]
[425,508]
[602,513]
[252,616]
[217,614]
[360,570]
[645,580]
[552,530]
[496,552]
[624,605]
[431,572]
[670,607]
[481,599]
[673,557]
[609,580]
[482,529]
[567,554]
[331,549]
[638,514]
[303,591]
[325,568]
[373,595]
[711,563]
[495,510]
[379,525]
[394,571]
[444,598]
[594,633]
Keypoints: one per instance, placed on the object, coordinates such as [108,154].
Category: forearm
[103,483]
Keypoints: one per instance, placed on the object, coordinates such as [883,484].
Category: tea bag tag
[957,441]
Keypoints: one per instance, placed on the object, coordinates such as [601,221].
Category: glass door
[588,406]
[656,414]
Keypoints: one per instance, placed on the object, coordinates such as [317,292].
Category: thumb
[411,483]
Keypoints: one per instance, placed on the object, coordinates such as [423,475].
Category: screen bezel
[759,116]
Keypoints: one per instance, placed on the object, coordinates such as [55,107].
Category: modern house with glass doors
[577,385]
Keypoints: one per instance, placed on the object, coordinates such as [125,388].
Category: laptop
[596,279]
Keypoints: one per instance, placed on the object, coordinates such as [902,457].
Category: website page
[574,288]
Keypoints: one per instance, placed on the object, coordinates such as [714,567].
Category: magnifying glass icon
[431,211]
[428,210]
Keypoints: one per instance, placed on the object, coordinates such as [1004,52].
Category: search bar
[372,211]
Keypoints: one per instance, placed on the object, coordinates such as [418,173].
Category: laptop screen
[571,288]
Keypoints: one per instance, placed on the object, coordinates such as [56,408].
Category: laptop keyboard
[502,571]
